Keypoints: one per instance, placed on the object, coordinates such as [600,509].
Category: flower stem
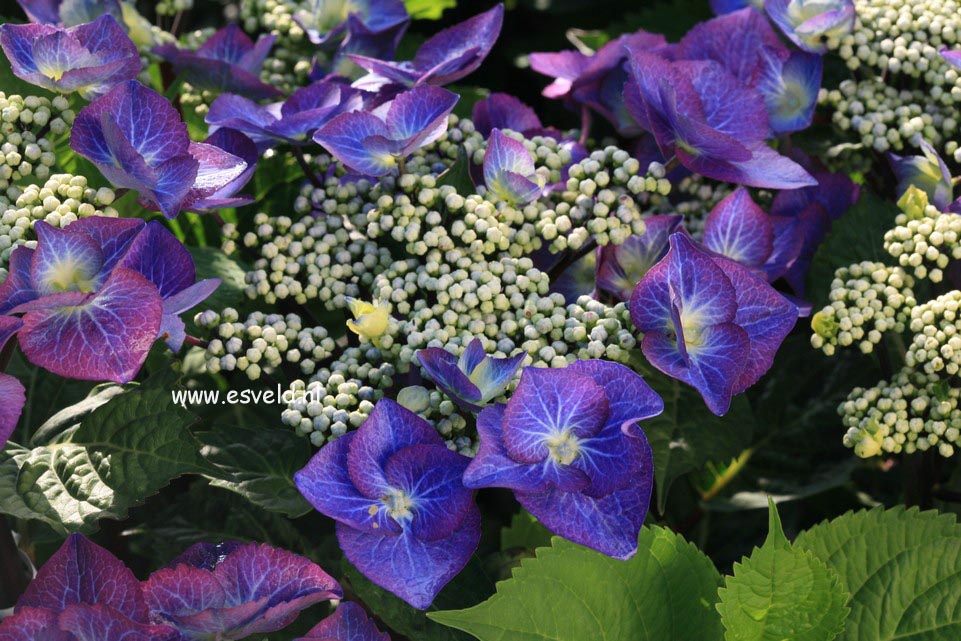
[308,172]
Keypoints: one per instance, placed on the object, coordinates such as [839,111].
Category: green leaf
[525,532]
[259,464]
[856,236]
[213,263]
[471,586]
[428,9]
[458,174]
[72,415]
[687,435]
[780,592]
[121,453]
[902,569]
[666,592]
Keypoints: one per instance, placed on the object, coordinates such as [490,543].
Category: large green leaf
[687,435]
[781,592]
[666,592]
[121,453]
[259,464]
[902,569]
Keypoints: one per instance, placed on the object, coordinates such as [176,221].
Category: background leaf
[666,592]
[687,435]
[120,454]
[780,592]
[259,464]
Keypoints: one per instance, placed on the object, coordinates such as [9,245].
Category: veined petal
[64,261]
[105,337]
[739,229]
[349,622]
[413,569]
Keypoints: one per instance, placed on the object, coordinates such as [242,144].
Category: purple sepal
[472,380]
[100,622]
[563,66]
[790,88]
[83,573]
[404,518]
[349,622]
[32,624]
[413,569]
[739,229]
[122,317]
[228,61]
[293,120]
[213,196]
[735,40]
[609,524]
[371,143]
[378,21]
[504,111]
[621,267]
[720,7]
[69,14]
[445,57]
[12,399]
[89,58]
[952,56]
[509,170]
[250,589]
[712,122]
[569,445]
[18,288]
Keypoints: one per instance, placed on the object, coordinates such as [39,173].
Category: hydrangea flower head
[709,322]
[709,120]
[70,13]
[740,230]
[568,444]
[89,58]
[137,139]
[12,394]
[473,379]
[96,295]
[228,61]
[83,593]
[745,44]
[811,24]
[509,170]
[372,143]
[404,517]
[349,622]
[927,172]
[233,591]
[292,120]
[621,267]
[445,57]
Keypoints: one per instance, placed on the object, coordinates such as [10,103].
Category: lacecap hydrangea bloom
[69,13]
[473,379]
[374,142]
[89,58]
[569,446]
[95,296]
[228,61]
[404,517]
[137,140]
[233,590]
[445,57]
[509,171]
[294,120]
[812,24]
[621,267]
[83,593]
[709,321]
